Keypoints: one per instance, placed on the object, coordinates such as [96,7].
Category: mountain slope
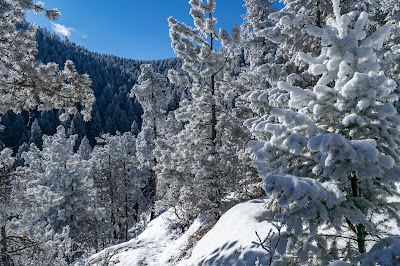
[113,78]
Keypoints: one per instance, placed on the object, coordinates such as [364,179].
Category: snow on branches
[329,154]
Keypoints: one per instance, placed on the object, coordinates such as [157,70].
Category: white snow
[229,242]
[159,244]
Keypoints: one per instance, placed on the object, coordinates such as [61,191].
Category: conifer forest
[275,142]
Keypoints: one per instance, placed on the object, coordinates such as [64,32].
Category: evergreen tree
[36,134]
[119,186]
[170,179]
[15,130]
[25,237]
[25,80]
[66,176]
[84,149]
[258,49]
[7,206]
[19,161]
[329,156]
[77,127]
[95,127]
[150,92]
[135,128]
[207,156]
[48,122]
[27,83]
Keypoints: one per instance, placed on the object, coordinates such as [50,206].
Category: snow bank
[158,244]
[229,242]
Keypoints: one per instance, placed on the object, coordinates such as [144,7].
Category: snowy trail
[229,242]
[159,244]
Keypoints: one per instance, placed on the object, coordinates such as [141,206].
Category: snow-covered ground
[229,242]
[159,244]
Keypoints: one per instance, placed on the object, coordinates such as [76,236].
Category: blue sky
[128,28]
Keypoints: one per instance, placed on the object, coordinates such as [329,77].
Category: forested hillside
[112,79]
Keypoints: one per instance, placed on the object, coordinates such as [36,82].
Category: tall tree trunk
[72,215]
[154,194]
[213,114]
[213,106]
[126,203]
[4,254]
[111,192]
[319,17]
[214,124]
[360,229]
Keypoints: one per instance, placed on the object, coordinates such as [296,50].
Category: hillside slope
[229,242]
[112,77]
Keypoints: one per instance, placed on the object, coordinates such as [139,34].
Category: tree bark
[4,254]
[126,203]
[360,228]
[319,18]
[111,193]
[214,122]
[213,106]
[154,194]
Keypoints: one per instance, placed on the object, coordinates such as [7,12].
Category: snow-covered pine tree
[119,185]
[26,82]
[286,28]
[150,92]
[26,239]
[169,178]
[330,156]
[205,155]
[36,134]
[77,127]
[258,49]
[66,175]
[388,12]
[135,128]
[84,149]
